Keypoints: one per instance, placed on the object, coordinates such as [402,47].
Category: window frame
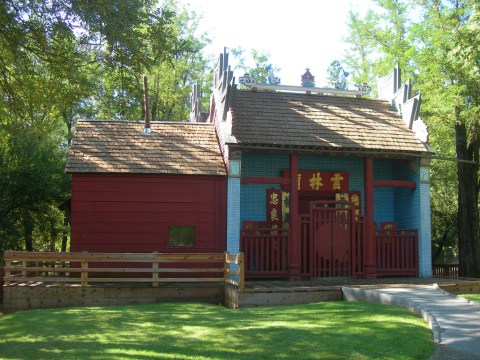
[189,246]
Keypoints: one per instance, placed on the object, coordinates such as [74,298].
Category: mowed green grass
[331,330]
[474,297]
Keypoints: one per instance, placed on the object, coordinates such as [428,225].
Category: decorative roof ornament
[252,81]
[342,84]
[364,88]
[271,78]
[308,80]
[247,80]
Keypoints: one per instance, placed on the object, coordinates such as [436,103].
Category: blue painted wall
[233,215]
[410,208]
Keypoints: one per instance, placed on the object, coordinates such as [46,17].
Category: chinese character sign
[285,209]
[329,181]
[274,208]
[355,199]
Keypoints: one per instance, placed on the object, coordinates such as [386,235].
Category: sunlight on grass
[333,330]
[473,297]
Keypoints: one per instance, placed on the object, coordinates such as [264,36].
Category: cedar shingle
[122,147]
[320,122]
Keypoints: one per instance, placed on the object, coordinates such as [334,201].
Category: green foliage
[32,182]
[334,73]
[331,330]
[473,297]
[437,44]
[255,63]
[65,59]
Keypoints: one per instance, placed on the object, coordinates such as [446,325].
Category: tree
[336,75]
[440,52]
[61,59]
[258,66]
[32,182]
[456,61]
[173,80]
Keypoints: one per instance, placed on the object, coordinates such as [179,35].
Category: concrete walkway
[455,321]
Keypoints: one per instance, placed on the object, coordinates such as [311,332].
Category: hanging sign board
[274,208]
[329,181]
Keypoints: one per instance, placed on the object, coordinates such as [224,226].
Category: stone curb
[356,294]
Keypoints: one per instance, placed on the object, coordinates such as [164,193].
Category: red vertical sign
[274,207]
[355,199]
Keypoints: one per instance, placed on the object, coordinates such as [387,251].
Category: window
[181,236]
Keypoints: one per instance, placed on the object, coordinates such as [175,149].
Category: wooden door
[331,238]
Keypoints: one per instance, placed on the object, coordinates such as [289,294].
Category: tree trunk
[468,220]
[65,232]
[28,232]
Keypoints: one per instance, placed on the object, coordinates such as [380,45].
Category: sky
[297,34]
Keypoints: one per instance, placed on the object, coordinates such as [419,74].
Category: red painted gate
[331,237]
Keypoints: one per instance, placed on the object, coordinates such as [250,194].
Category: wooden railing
[450,271]
[358,248]
[87,268]
[306,247]
[266,252]
[397,252]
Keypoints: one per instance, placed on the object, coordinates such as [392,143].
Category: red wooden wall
[132,213]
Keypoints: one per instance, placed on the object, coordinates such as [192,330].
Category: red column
[370,265]
[294,248]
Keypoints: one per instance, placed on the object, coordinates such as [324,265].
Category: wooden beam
[265,180]
[370,262]
[395,183]
[294,246]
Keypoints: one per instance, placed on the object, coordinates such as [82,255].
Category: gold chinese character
[355,199]
[336,178]
[274,215]
[274,199]
[299,180]
[316,181]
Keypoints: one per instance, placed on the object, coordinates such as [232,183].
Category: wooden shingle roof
[122,147]
[319,122]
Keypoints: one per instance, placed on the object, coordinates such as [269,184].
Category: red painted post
[294,248]
[370,265]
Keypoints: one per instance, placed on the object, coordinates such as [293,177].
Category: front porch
[365,220]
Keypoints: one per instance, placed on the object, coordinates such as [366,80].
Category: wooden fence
[450,271]
[87,268]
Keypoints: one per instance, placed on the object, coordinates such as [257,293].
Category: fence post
[24,265]
[155,269]
[84,270]
[241,272]
[226,267]
[8,263]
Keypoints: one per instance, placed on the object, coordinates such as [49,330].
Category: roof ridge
[136,122]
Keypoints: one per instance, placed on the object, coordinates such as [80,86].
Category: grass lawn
[331,330]
[474,297]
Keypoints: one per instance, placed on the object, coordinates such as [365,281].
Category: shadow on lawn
[323,330]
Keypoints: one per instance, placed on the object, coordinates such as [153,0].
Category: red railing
[397,252]
[358,248]
[441,270]
[306,266]
[266,252]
